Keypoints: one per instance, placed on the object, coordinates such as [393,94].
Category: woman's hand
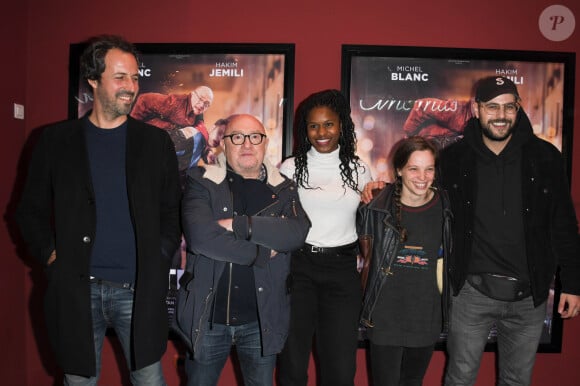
[367,193]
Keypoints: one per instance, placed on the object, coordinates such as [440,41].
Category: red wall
[13,280]
[36,36]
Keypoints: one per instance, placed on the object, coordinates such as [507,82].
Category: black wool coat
[57,212]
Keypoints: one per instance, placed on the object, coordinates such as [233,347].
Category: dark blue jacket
[550,225]
[282,227]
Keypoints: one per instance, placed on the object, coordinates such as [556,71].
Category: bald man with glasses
[241,219]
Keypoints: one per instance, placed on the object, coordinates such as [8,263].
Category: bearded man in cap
[514,225]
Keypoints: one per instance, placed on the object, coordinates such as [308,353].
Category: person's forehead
[321,112]
[115,54]
[203,93]
[203,98]
[421,156]
[245,125]
[117,60]
[503,98]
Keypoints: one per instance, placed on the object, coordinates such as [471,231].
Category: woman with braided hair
[404,302]
[325,282]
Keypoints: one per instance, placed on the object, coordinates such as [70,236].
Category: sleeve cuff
[242,227]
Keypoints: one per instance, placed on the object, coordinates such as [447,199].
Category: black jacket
[57,212]
[375,216]
[550,225]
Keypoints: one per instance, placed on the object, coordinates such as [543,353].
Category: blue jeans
[519,328]
[215,348]
[113,307]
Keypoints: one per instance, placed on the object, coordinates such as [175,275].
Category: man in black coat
[514,224]
[100,210]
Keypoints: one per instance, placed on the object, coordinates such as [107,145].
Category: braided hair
[334,100]
[401,154]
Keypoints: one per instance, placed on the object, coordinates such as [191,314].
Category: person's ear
[93,83]
[475,109]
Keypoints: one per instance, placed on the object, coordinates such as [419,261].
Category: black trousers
[326,300]
[399,366]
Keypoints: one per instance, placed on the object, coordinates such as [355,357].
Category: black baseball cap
[490,87]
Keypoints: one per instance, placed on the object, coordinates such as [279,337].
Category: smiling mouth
[499,124]
[126,97]
[322,141]
[421,186]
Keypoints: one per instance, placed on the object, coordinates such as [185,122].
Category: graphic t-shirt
[408,311]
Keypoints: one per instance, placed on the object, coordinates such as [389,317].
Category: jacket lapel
[77,145]
[134,155]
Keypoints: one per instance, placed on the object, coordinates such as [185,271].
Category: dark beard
[486,131]
[116,108]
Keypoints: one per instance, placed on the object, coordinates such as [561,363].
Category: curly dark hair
[401,154]
[337,102]
[92,61]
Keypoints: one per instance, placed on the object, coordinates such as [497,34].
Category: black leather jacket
[377,215]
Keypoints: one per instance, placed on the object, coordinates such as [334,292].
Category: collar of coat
[217,172]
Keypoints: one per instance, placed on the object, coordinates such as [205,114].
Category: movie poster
[171,84]
[395,96]
[392,98]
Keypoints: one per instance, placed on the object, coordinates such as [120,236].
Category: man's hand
[227,223]
[51,258]
[569,306]
[367,193]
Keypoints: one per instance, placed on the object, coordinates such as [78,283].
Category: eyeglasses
[239,139]
[206,103]
[495,108]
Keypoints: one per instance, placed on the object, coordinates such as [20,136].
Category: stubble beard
[489,134]
[116,107]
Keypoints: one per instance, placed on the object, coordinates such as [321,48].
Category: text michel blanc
[416,74]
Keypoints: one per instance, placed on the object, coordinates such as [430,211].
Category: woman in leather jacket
[407,229]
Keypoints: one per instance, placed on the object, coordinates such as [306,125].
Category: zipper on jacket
[367,323]
[229,297]
[277,193]
[266,208]
[387,271]
[206,302]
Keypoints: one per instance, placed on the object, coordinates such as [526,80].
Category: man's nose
[247,142]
